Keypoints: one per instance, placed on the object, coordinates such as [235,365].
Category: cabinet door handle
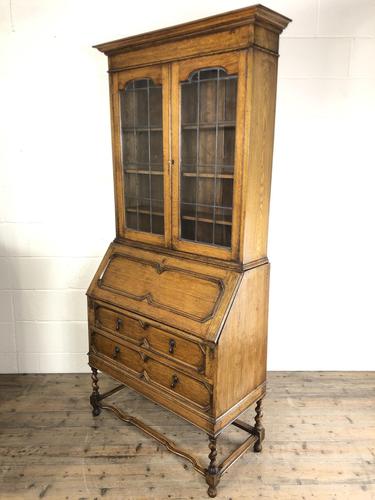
[174,381]
[119,324]
[172,345]
[116,352]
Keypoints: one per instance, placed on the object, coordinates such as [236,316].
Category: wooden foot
[259,426]
[94,398]
[212,472]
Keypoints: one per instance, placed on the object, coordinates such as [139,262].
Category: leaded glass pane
[142,155]
[208,114]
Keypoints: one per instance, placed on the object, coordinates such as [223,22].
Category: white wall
[56,194]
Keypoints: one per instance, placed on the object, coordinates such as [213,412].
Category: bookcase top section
[255,15]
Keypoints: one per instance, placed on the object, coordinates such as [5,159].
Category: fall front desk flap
[185,294]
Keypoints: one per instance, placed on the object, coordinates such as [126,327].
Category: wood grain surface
[320,442]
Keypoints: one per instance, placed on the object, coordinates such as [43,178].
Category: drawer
[151,371]
[116,351]
[179,383]
[151,338]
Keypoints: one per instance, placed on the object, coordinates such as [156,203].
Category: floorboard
[320,442]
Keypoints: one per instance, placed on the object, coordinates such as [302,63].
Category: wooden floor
[320,443]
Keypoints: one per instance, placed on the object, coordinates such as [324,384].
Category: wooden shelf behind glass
[144,172]
[142,129]
[200,125]
[144,210]
[203,216]
[207,175]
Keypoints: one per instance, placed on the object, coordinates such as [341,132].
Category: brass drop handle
[172,345]
[119,324]
[116,351]
[174,381]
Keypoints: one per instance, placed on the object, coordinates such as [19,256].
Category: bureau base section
[190,413]
[213,472]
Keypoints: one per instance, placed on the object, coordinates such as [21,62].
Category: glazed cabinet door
[140,121]
[207,128]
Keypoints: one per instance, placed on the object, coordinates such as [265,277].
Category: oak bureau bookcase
[178,307]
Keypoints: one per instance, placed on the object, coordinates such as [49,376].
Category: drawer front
[151,338]
[179,383]
[151,371]
[116,351]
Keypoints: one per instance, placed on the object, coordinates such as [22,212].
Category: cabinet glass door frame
[233,63]
[159,75]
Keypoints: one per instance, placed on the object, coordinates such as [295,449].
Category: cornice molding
[254,15]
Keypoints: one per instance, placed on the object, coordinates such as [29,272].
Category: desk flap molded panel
[188,295]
